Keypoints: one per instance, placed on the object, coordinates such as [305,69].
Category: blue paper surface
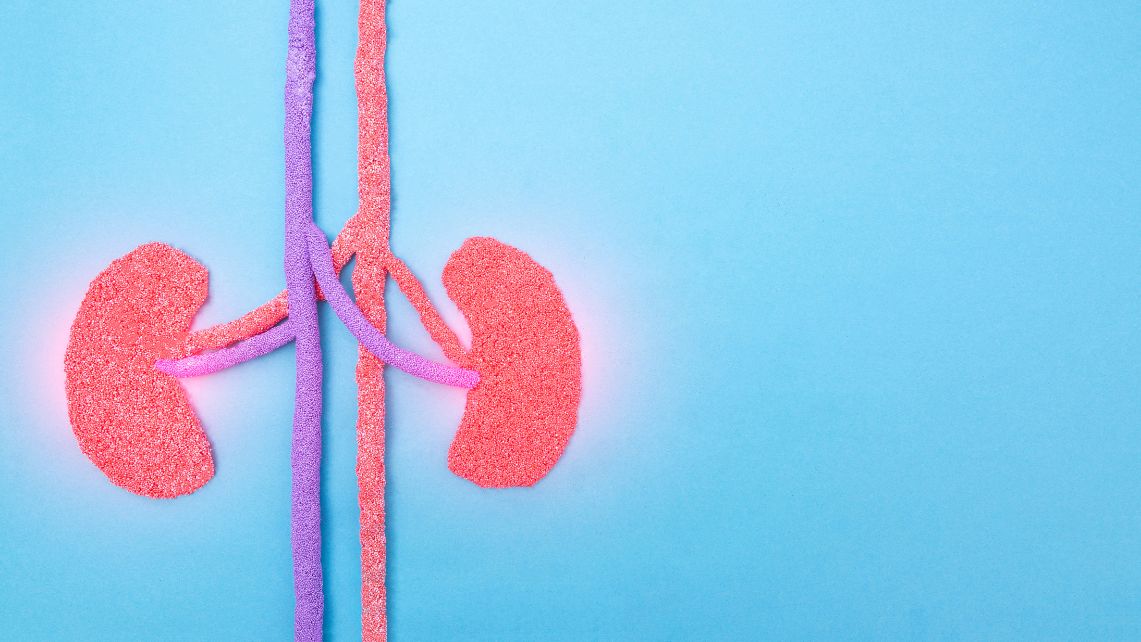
[858,287]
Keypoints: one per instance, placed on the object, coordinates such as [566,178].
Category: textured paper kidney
[134,422]
[525,348]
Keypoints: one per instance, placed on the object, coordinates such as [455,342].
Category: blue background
[859,286]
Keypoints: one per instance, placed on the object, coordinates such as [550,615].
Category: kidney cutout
[132,421]
[136,423]
[525,347]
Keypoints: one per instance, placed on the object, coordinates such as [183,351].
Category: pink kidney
[134,422]
[137,425]
[525,347]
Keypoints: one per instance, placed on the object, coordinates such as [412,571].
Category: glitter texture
[525,347]
[134,422]
[305,456]
[371,338]
[252,348]
[253,323]
[368,233]
[430,317]
[368,283]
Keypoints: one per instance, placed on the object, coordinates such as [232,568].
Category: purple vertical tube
[305,459]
